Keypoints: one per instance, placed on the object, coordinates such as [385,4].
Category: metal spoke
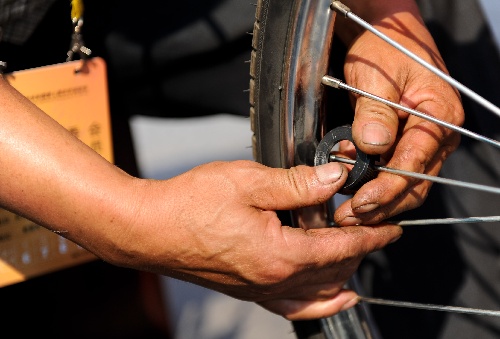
[421,176]
[441,221]
[336,83]
[455,309]
[343,9]
[333,82]
[445,221]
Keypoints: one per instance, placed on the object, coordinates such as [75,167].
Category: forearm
[49,176]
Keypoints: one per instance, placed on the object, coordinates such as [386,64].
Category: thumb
[300,186]
[375,126]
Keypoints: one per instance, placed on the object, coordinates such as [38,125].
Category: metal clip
[77,45]
[3,64]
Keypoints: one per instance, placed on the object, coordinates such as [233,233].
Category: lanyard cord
[76,10]
[77,45]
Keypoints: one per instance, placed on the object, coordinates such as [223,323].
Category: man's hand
[403,141]
[216,226]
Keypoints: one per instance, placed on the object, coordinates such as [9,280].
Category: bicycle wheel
[292,43]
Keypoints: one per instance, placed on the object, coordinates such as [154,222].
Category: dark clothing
[19,19]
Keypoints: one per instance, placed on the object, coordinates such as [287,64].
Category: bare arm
[214,225]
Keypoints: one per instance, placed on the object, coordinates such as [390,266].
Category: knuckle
[275,278]
[298,183]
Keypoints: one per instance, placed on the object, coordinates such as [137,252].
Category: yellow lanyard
[76,10]
[77,40]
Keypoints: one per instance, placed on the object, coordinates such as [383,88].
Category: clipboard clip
[3,64]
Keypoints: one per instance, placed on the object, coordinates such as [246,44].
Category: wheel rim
[306,64]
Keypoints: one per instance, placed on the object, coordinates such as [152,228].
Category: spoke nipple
[339,7]
[331,81]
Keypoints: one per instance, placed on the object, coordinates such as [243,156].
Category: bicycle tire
[287,105]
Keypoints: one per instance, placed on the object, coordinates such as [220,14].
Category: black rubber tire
[268,52]
[269,43]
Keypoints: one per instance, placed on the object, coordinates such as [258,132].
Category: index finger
[327,247]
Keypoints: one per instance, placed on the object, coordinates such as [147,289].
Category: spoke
[330,81]
[336,83]
[441,221]
[484,188]
[342,9]
[431,307]
[445,221]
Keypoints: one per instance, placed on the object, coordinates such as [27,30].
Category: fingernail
[376,134]
[350,303]
[395,239]
[366,208]
[329,173]
[351,221]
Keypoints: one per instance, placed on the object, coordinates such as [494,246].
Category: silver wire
[484,188]
[432,307]
[339,7]
[445,221]
[336,83]
[330,81]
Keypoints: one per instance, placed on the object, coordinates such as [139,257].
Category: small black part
[363,170]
